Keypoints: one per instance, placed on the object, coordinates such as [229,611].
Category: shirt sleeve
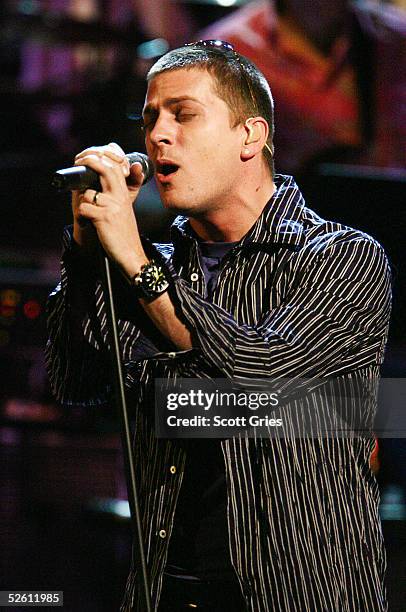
[77,351]
[333,320]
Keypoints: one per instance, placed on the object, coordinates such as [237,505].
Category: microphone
[79,178]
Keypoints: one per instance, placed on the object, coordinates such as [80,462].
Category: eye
[148,125]
[184,115]
[148,121]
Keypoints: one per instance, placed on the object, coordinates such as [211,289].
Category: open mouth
[166,169]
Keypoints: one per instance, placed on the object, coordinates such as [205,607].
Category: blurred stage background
[71,71]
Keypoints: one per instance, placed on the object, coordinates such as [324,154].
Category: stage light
[226,2]
[152,49]
[32,309]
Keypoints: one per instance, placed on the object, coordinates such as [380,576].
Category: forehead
[192,83]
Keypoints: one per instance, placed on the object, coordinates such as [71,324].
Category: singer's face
[190,138]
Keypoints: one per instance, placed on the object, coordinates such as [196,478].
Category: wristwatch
[150,281]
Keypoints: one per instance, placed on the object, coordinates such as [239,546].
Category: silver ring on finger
[96,195]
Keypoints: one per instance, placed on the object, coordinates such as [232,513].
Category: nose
[161,132]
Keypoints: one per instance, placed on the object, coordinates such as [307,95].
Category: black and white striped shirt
[297,297]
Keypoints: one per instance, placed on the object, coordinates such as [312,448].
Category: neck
[231,223]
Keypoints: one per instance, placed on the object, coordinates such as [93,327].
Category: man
[254,286]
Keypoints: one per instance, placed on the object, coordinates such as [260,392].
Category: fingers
[112,174]
[97,206]
[111,150]
[112,166]
[89,204]
[108,161]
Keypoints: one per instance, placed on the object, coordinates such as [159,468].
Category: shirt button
[172,469]
[194,276]
[162,534]
[172,355]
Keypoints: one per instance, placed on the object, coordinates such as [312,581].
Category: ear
[256,132]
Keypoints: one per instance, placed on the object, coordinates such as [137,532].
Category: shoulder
[345,245]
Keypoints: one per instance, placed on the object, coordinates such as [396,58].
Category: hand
[111,213]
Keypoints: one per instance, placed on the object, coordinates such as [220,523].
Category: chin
[175,204]
[188,204]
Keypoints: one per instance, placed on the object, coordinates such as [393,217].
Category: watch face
[153,278]
[151,281]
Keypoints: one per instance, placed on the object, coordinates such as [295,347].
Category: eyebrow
[150,108]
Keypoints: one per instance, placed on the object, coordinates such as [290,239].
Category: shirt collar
[279,223]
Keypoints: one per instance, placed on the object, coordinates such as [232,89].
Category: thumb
[135,178]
